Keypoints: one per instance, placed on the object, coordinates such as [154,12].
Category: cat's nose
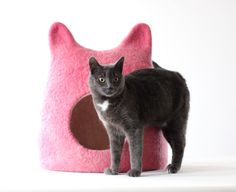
[110,88]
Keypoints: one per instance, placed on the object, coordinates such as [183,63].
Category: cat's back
[154,76]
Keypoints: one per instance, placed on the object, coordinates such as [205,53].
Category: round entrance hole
[86,127]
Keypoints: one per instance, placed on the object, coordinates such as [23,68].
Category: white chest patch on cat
[103,106]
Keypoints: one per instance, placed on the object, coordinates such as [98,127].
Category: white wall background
[194,37]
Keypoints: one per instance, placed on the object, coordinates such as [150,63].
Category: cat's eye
[101,79]
[116,79]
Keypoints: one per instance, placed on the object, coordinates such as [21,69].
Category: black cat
[128,104]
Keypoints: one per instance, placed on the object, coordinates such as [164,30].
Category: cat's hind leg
[174,133]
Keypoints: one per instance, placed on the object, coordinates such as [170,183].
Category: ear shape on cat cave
[60,37]
[139,37]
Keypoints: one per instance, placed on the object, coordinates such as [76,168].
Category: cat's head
[106,80]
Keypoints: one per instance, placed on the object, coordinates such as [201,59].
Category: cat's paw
[109,171]
[172,169]
[134,173]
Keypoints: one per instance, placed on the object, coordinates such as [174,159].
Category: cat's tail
[156,66]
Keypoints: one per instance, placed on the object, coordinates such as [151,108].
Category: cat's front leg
[116,140]
[135,140]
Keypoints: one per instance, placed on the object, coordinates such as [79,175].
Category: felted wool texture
[67,84]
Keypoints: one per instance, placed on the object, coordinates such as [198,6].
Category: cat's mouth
[110,92]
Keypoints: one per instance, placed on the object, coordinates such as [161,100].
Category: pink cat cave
[72,137]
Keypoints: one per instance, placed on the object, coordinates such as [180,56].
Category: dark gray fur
[155,97]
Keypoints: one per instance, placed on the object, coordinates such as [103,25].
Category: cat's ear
[119,65]
[94,65]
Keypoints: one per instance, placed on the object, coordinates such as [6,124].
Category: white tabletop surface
[208,175]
